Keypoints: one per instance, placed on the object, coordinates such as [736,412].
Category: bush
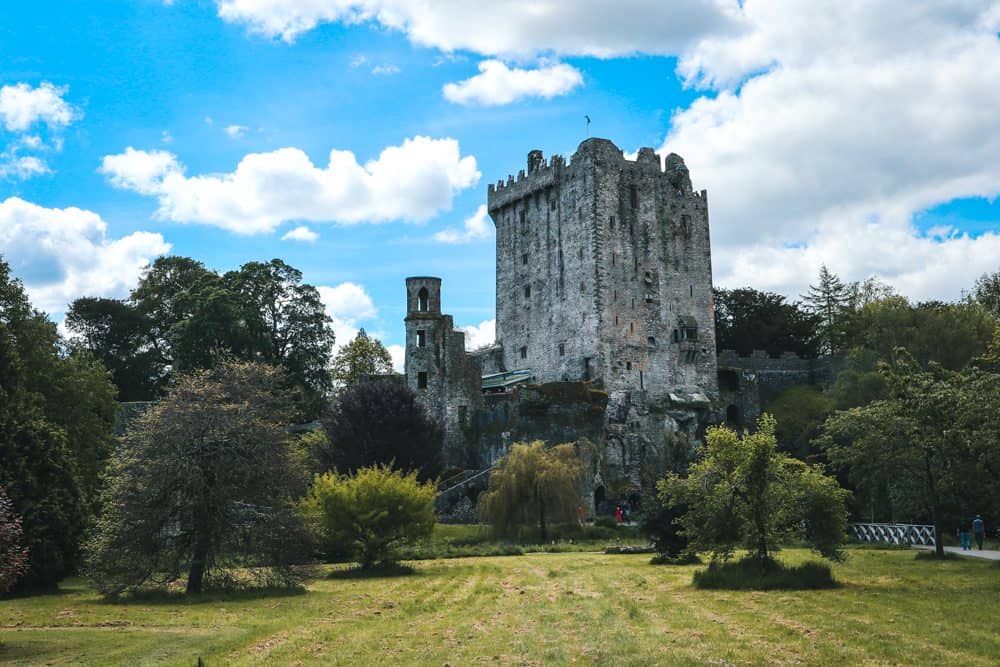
[605,521]
[374,512]
[750,573]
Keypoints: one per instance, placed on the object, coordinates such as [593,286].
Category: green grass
[537,609]
[747,574]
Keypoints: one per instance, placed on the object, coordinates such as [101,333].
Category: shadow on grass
[750,574]
[681,559]
[178,596]
[386,571]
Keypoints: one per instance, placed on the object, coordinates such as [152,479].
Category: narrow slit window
[562,349]
[422,300]
[527,291]
[422,380]
[524,352]
[421,338]
[633,193]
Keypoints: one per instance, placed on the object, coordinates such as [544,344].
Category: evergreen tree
[829,301]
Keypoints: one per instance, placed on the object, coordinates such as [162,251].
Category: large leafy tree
[747,319]
[743,492]
[183,317]
[201,487]
[534,485]
[117,334]
[364,357]
[929,440]
[55,434]
[380,422]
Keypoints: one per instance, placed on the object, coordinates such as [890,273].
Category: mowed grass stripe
[536,609]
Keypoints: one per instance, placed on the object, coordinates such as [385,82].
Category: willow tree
[535,485]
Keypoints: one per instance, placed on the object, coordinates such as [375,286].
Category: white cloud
[63,254]
[384,70]
[14,167]
[498,84]
[584,27]
[398,354]
[166,137]
[476,227]
[413,182]
[21,106]
[348,305]
[849,119]
[301,233]
[476,336]
[236,131]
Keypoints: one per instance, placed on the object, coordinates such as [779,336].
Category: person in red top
[618,514]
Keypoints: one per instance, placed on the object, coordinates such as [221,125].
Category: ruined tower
[604,273]
[446,380]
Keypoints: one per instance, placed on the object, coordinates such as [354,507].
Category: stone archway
[600,497]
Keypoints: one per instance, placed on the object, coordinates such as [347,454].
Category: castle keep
[605,321]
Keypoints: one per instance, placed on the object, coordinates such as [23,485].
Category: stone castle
[605,323]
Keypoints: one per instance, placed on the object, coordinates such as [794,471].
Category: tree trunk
[541,520]
[196,575]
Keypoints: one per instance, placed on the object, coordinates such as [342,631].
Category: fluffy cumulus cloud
[235,131]
[349,306]
[64,253]
[476,228]
[498,84]
[301,233]
[832,126]
[480,335]
[22,105]
[584,27]
[413,181]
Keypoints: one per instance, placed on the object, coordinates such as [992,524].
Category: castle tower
[445,379]
[604,272]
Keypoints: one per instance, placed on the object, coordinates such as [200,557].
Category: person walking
[978,530]
[618,514]
[964,535]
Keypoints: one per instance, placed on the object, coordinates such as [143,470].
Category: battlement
[542,174]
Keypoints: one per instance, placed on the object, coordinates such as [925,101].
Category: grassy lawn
[541,608]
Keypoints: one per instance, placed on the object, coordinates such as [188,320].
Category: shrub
[751,573]
[374,512]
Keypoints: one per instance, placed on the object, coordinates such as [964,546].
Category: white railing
[894,533]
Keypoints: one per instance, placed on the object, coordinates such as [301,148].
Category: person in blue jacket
[978,530]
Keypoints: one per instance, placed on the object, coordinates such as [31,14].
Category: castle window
[633,193]
[421,338]
[523,217]
[651,340]
[524,352]
[422,380]
[628,365]
[552,204]
[631,327]
[463,414]
[611,222]
[583,287]
[422,300]
[581,253]
[642,381]
[562,349]
[691,289]
[687,329]
[524,258]
[527,291]
[616,320]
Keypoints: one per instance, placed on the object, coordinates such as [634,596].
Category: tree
[920,439]
[375,511]
[747,320]
[986,292]
[829,301]
[799,412]
[534,485]
[116,333]
[364,357]
[742,491]
[380,422]
[183,317]
[201,484]
[55,434]
[13,556]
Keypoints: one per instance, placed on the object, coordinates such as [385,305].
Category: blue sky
[862,137]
